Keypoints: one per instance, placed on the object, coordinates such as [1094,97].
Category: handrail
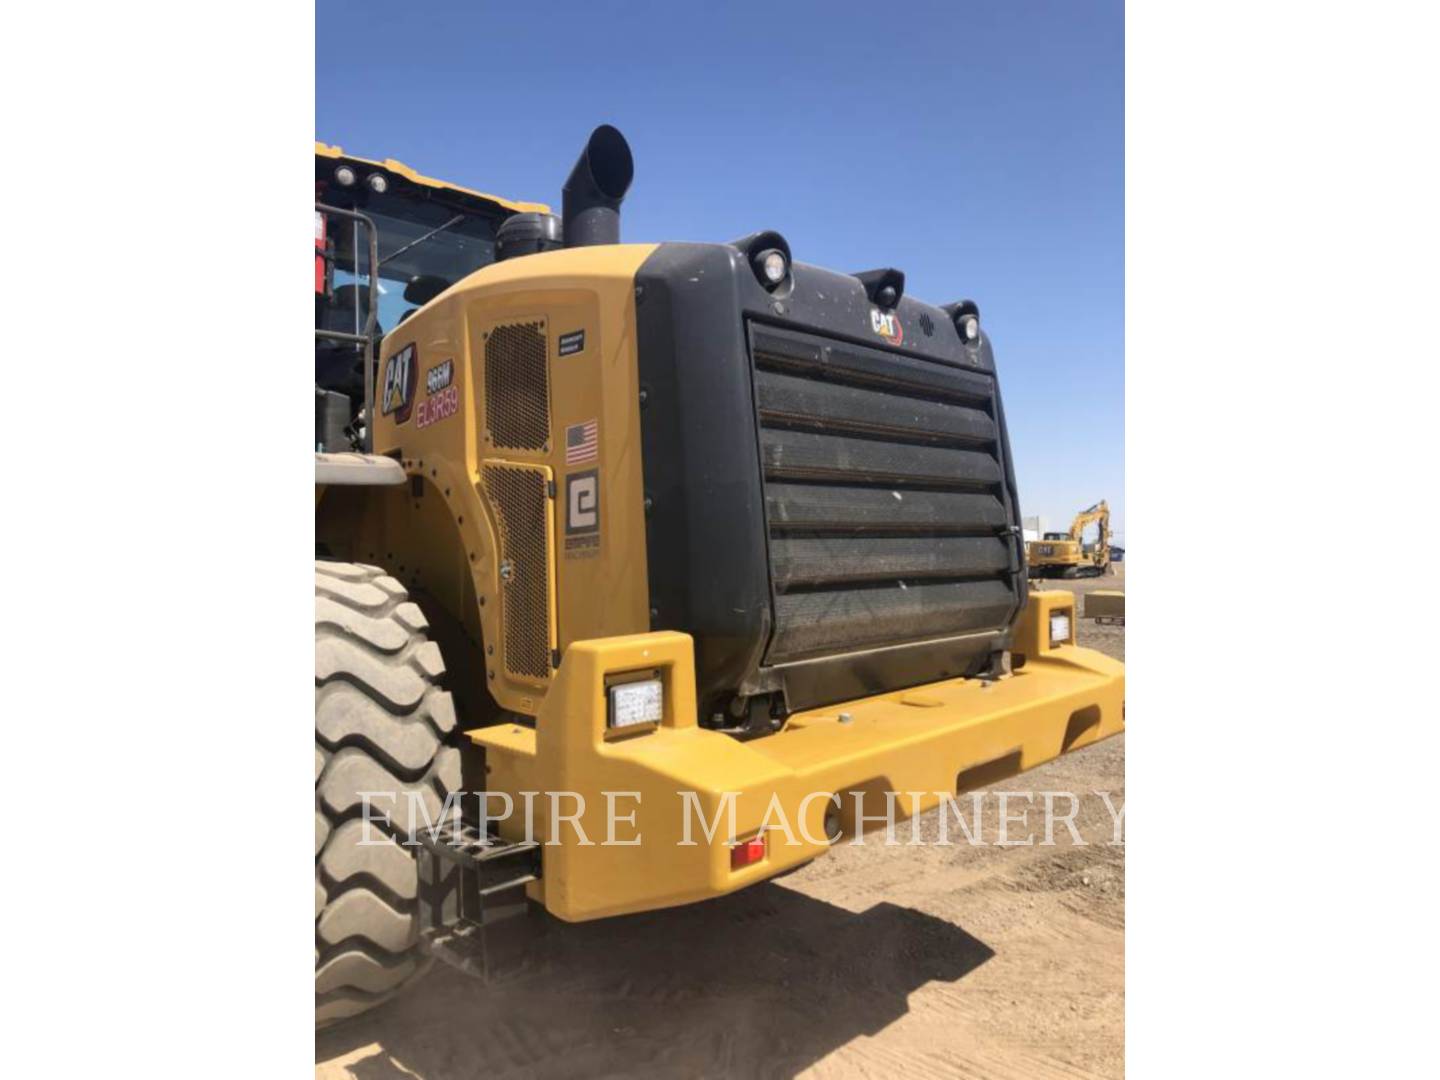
[362,340]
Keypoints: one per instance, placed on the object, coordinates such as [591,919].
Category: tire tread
[381,721]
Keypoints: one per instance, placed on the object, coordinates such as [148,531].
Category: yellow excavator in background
[1066,555]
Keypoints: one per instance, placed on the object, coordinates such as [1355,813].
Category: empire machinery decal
[582,514]
[442,399]
[397,389]
[887,325]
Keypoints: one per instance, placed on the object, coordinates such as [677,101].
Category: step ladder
[478,923]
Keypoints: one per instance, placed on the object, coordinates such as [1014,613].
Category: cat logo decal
[397,390]
[887,325]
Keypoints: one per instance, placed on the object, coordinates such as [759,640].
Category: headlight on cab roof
[636,702]
[771,267]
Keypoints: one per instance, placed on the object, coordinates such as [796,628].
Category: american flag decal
[582,443]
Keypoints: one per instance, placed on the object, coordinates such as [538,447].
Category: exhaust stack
[595,188]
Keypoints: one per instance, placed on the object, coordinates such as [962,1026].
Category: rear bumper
[678,780]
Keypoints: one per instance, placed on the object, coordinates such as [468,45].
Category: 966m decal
[439,376]
[442,396]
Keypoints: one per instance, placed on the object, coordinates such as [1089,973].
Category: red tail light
[747,853]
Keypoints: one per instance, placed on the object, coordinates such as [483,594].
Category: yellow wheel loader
[666,565]
[1069,555]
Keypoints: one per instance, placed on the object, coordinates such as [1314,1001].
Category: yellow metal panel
[925,740]
[598,593]
[399,167]
[572,755]
[1032,629]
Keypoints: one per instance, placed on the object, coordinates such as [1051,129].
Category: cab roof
[399,168]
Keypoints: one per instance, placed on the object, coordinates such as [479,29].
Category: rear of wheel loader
[664,565]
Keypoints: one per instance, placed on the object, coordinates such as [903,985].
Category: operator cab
[424,235]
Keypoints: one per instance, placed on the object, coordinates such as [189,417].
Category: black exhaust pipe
[595,188]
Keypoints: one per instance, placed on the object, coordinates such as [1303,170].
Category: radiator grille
[884,497]
[520,497]
[517,386]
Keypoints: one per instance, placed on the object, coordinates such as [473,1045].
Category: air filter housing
[528,234]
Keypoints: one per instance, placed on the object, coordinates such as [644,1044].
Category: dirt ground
[928,961]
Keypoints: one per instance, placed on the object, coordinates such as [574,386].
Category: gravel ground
[873,962]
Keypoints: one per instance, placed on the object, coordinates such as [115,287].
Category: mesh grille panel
[517,386]
[518,494]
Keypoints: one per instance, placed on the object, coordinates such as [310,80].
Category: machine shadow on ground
[762,983]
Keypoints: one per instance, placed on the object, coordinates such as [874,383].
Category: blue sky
[978,146]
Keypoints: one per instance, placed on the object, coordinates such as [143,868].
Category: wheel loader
[697,530]
[1068,555]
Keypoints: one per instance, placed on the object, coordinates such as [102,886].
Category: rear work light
[1059,628]
[771,266]
[745,853]
[636,703]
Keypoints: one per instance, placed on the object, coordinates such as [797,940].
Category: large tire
[381,722]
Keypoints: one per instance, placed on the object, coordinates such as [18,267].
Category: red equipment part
[320,254]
